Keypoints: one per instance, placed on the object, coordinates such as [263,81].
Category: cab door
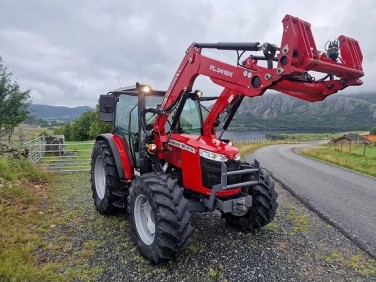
[126,122]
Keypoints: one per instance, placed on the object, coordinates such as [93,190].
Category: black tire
[113,199]
[264,205]
[170,213]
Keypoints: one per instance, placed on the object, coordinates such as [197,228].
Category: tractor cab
[122,107]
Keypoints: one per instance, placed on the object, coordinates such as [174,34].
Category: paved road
[345,198]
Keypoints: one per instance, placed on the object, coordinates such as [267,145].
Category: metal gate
[57,155]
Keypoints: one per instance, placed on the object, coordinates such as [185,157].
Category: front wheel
[159,216]
[263,209]
[108,193]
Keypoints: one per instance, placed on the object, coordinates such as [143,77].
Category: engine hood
[200,142]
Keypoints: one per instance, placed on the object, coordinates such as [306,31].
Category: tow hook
[239,205]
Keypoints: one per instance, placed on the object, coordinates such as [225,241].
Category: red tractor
[166,158]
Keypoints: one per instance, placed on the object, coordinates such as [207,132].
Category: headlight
[237,157]
[146,88]
[212,156]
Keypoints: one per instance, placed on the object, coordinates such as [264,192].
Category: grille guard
[236,204]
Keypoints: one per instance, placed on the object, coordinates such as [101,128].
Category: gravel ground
[297,246]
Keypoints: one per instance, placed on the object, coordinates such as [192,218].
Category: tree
[86,127]
[97,126]
[82,126]
[14,103]
[373,131]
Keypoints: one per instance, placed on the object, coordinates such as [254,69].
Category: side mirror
[106,107]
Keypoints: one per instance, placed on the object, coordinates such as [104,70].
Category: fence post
[364,150]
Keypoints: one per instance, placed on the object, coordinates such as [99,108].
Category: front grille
[211,172]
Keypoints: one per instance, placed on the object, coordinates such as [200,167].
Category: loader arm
[296,56]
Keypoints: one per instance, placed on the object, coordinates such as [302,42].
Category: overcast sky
[68,52]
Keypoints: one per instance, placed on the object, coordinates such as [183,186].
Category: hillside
[47,112]
[278,111]
[274,111]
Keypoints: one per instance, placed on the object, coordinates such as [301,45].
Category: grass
[30,132]
[30,211]
[302,137]
[21,205]
[13,170]
[249,147]
[357,262]
[300,221]
[77,155]
[353,159]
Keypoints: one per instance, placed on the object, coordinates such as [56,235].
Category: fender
[121,152]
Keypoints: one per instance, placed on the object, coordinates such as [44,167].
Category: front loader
[165,157]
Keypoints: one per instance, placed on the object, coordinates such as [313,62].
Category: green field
[361,158]
[302,137]
[29,132]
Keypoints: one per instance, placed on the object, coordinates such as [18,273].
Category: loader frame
[287,71]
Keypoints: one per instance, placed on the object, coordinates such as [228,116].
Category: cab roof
[132,91]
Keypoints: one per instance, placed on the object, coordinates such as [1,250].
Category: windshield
[190,118]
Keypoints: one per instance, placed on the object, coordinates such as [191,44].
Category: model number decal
[182,146]
[221,71]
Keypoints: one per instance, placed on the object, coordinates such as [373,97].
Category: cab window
[190,119]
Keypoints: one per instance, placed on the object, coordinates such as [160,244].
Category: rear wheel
[264,205]
[108,194]
[159,217]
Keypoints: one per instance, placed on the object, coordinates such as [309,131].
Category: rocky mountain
[274,111]
[278,111]
[58,113]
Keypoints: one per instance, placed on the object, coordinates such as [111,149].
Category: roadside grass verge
[13,170]
[31,209]
[354,160]
[21,212]
[358,262]
[249,147]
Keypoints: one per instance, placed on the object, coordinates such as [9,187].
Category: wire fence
[356,148]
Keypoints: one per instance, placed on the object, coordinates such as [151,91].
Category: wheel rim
[100,177]
[144,218]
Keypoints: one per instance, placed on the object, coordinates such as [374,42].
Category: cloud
[69,52]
